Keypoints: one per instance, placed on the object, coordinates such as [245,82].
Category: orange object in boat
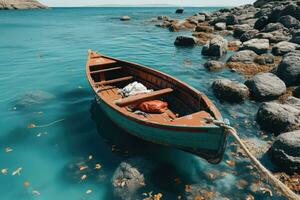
[154,106]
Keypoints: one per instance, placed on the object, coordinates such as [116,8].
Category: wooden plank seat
[142,97]
[105,70]
[101,61]
[114,80]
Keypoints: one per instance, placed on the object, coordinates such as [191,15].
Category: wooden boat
[183,125]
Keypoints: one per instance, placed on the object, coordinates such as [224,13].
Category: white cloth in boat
[134,89]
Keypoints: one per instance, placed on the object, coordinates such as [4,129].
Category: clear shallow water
[44,53]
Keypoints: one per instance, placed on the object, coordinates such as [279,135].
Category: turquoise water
[42,59]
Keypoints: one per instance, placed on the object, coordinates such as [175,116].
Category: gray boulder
[288,21]
[239,30]
[278,118]
[248,35]
[285,152]
[206,29]
[261,23]
[243,56]
[296,38]
[125,18]
[259,46]
[265,59]
[220,26]
[215,47]
[273,27]
[284,47]
[265,86]
[20,5]
[213,65]
[289,68]
[293,101]
[231,91]
[231,20]
[185,41]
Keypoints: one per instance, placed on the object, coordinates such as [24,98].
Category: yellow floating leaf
[26,184]
[8,149]
[35,192]
[4,171]
[17,171]
[88,191]
[81,168]
[31,125]
[231,163]
[98,166]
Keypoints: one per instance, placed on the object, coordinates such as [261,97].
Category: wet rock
[33,98]
[273,27]
[289,68]
[198,17]
[231,20]
[126,180]
[243,56]
[293,101]
[231,91]
[20,5]
[206,29]
[296,38]
[220,26]
[164,24]
[259,46]
[182,25]
[185,41]
[265,59]
[215,47]
[265,86]
[240,30]
[125,18]
[164,18]
[248,35]
[285,152]
[288,21]
[261,22]
[296,92]
[278,118]
[234,45]
[284,47]
[213,65]
[278,36]
[179,11]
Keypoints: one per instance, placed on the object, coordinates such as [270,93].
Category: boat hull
[206,142]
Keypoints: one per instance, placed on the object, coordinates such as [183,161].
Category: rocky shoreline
[20,5]
[265,39]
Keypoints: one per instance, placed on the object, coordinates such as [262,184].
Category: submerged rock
[265,86]
[213,65]
[278,118]
[215,47]
[20,5]
[231,91]
[289,68]
[259,46]
[185,41]
[285,152]
[33,98]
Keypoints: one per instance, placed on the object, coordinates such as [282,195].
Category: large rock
[278,118]
[239,30]
[296,38]
[261,22]
[273,27]
[259,46]
[231,91]
[243,56]
[285,152]
[213,65]
[20,5]
[185,41]
[215,47]
[33,98]
[206,29]
[288,21]
[265,59]
[284,47]
[248,35]
[265,86]
[289,68]
[231,20]
[220,26]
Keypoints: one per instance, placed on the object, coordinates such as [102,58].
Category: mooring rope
[264,171]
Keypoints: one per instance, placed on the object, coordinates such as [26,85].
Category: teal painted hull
[206,142]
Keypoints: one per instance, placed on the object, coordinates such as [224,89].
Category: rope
[49,124]
[271,178]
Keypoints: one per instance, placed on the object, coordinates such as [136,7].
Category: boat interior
[185,106]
